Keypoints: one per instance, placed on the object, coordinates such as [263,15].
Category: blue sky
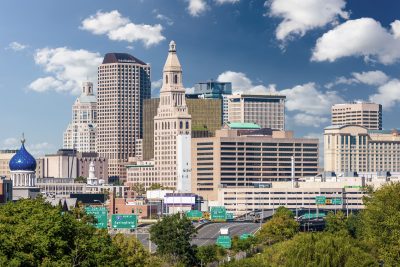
[317,52]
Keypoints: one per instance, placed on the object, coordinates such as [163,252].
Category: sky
[316,52]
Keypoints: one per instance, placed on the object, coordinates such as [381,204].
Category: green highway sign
[313,215]
[100,213]
[123,221]
[245,236]
[336,201]
[218,214]
[229,216]
[320,200]
[194,214]
[224,241]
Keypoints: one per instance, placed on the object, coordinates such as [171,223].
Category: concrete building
[5,190]
[242,155]
[354,148]
[170,124]
[368,115]
[100,165]
[268,111]
[349,190]
[63,164]
[81,132]
[123,84]
[204,124]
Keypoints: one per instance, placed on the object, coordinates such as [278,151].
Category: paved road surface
[208,234]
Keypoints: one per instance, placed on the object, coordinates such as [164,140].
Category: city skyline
[267,42]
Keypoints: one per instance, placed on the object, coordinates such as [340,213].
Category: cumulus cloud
[302,16]
[15,46]
[66,68]
[196,7]
[155,87]
[36,149]
[221,2]
[119,28]
[376,77]
[310,105]
[163,17]
[361,37]
[388,94]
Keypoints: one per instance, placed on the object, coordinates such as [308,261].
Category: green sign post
[320,200]
[218,214]
[336,201]
[124,221]
[245,236]
[224,241]
[194,215]
[100,213]
[229,216]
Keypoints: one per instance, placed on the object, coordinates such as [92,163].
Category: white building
[267,110]
[368,115]
[172,120]
[123,84]
[184,163]
[81,132]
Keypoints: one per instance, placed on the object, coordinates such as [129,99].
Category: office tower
[268,110]
[354,148]
[171,121]
[81,132]
[213,90]
[123,84]
[206,119]
[172,134]
[244,154]
[368,115]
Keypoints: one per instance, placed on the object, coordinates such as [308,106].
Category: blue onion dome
[22,160]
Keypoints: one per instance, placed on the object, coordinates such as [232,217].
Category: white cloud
[302,16]
[197,7]
[376,77]
[388,94]
[361,37]
[119,28]
[162,17]
[36,149]
[310,104]
[15,46]
[221,2]
[67,68]
[155,87]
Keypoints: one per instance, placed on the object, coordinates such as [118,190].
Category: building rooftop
[242,125]
[111,58]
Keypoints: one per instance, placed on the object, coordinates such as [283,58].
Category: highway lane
[208,234]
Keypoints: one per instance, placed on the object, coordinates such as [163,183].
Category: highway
[208,234]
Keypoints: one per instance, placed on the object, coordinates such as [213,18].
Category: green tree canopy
[281,227]
[172,235]
[209,253]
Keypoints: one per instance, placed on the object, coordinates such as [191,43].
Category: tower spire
[23,139]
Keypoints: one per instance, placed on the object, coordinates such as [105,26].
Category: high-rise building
[81,132]
[123,84]
[368,115]
[206,119]
[172,134]
[268,111]
[213,90]
[243,154]
[354,148]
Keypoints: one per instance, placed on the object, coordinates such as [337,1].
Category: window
[166,79]
[187,125]
[175,79]
[180,125]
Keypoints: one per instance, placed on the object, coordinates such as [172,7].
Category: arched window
[155,125]
[166,79]
[187,125]
[180,125]
[175,79]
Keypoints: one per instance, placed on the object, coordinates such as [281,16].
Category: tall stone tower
[172,123]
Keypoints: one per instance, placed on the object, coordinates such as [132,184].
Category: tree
[34,233]
[208,254]
[139,189]
[335,223]
[380,223]
[281,227]
[131,250]
[172,235]
[80,179]
[243,244]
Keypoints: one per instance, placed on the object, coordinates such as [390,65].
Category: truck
[224,231]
